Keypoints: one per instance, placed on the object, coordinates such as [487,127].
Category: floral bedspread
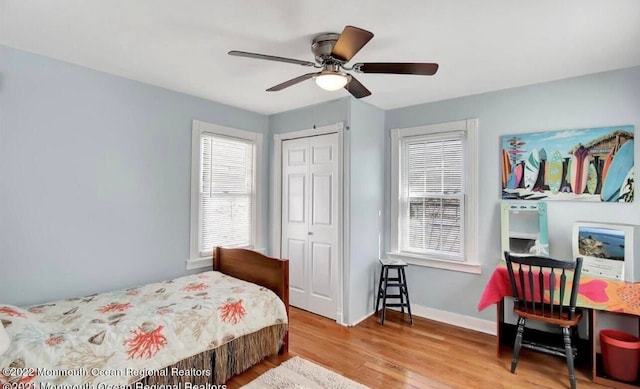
[122,336]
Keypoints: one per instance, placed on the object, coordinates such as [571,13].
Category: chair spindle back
[532,277]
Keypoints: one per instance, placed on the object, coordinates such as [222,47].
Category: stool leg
[379,289]
[406,291]
[384,294]
[400,289]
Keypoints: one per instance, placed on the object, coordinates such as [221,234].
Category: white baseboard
[454,319]
[340,319]
[363,318]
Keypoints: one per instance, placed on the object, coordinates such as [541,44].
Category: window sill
[200,263]
[419,260]
[207,262]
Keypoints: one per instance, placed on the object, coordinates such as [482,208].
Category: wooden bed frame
[251,266]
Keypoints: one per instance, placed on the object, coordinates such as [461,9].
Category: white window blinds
[226,193]
[433,195]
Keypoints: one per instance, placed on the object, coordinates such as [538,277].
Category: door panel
[296,197]
[322,154]
[297,268]
[297,156]
[295,217]
[321,267]
[321,191]
[323,168]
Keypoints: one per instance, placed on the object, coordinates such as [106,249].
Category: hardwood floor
[427,355]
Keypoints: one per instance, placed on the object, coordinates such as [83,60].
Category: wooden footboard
[251,266]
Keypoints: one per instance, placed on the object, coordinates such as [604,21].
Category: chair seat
[558,318]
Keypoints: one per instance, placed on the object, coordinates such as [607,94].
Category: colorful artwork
[589,164]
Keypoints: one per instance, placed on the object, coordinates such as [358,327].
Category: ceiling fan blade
[291,82]
[270,58]
[350,42]
[356,89]
[423,69]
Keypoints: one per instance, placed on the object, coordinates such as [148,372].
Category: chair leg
[566,331]
[518,344]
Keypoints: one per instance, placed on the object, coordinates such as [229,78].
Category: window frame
[399,138]
[196,259]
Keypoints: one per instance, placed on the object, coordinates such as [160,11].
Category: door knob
[309,233]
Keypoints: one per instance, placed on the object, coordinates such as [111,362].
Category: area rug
[298,373]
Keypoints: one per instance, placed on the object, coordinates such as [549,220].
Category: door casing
[343,204]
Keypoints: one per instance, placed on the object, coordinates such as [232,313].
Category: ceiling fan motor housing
[322,46]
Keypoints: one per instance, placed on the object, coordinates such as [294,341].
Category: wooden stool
[400,282]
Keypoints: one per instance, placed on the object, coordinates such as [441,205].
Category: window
[435,185]
[224,201]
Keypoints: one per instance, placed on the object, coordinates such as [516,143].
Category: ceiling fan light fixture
[331,81]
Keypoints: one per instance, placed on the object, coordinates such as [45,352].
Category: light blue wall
[95,178]
[604,99]
[366,150]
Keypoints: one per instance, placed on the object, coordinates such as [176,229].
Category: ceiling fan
[332,52]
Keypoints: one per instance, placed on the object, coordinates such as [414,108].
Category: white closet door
[295,229]
[309,221]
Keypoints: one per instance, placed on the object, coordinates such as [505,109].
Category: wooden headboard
[251,266]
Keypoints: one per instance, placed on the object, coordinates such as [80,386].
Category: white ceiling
[182,45]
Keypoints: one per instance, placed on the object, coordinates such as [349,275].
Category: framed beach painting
[590,164]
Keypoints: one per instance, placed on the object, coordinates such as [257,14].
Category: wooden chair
[540,291]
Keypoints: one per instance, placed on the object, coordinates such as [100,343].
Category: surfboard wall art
[588,164]
[555,172]
[531,169]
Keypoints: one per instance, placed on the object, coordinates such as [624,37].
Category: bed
[202,329]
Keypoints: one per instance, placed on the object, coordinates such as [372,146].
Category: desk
[596,294]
